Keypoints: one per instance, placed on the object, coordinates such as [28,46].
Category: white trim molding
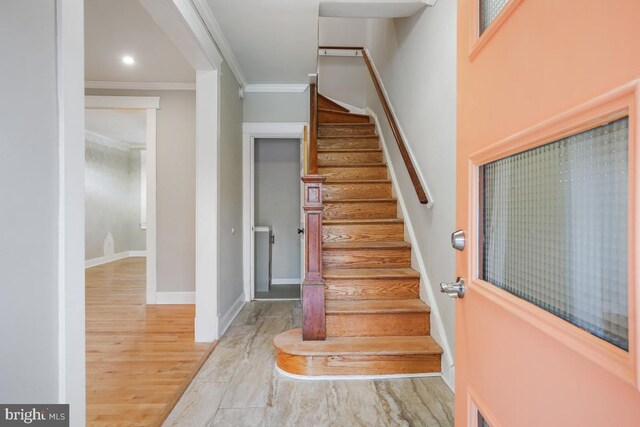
[290,281]
[207,192]
[93,262]
[175,297]
[438,330]
[352,377]
[70,280]
[122,102]
[276,88]
[216,32]
[230,315]
[93,84]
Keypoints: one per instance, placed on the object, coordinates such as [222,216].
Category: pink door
[546,333]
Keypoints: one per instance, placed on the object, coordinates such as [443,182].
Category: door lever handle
[454,290]
[300,230]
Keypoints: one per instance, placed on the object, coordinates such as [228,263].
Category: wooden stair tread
[363,221]
[351,165]
[347,124]
[356,181]
[369,273]
[349,150]
[344,113]
[375,306]
[347,136]
[365,245]
[387,200]
[291,342]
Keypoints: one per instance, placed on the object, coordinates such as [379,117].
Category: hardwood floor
[140,358]
[239,386]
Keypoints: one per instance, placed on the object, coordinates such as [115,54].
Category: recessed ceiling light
[128,60]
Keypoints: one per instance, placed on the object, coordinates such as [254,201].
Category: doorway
[288,139]
[277,218]
[120,185]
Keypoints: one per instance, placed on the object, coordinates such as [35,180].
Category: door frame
[150,105]
[251,131]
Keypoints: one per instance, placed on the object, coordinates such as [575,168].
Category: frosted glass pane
[489,10]
[555,228]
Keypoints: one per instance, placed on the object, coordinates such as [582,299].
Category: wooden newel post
[313,312]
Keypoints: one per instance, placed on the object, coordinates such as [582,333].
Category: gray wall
[175,186]
[277,201]
[230,257]
[112,199]
[343,78]
[29,194]
[422,90]
[276,107]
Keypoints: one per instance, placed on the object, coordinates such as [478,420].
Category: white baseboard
[294,281]
[115,257]
[175,297]
[227,318]
[137,253]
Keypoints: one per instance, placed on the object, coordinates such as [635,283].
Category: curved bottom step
[387,355]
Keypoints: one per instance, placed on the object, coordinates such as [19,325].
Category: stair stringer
[438,331]
[351,108]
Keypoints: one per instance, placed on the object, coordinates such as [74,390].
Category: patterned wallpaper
[112,199]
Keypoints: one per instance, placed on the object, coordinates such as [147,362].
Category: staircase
[375,321]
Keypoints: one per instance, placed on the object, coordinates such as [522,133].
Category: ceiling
[115,28]
[274,41]
[123,125]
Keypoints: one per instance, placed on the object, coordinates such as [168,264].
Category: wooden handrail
[395,129]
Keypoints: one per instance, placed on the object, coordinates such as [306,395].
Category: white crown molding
[93,84]
[218,36]
[276,88]
[106,141]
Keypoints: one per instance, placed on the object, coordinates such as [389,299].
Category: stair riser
[377,324]
[367,258]
[358,365]
[362,232]
[364,210]
[349,158]
[337,191]
[356,289]
[330,117]
[326,104]
[368,172]
[346,130]
[349,143]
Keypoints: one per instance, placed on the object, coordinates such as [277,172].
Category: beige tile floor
[238,386]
